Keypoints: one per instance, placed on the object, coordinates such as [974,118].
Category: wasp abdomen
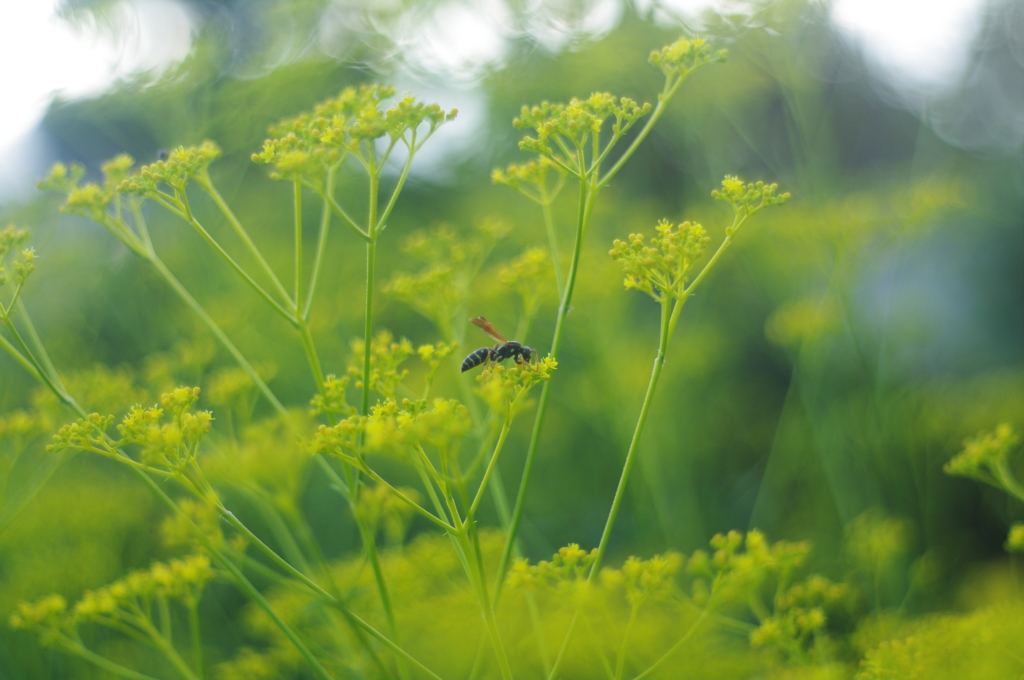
[476,358]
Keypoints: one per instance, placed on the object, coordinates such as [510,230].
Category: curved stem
[277,559]
[382,222]
[341,212]
[206,184]
[587,194]
[32,365]
[240,579]
[297,197]
[549,226]
[217,332]
[370,546]
[194,223]
[321,246]
[620,491]
[311,356]
[490,467]
[42,356]
[102,662]
[197,640]
[663,99]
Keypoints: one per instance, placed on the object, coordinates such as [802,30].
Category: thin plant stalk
[583,216]
[217,332]
[102,662]
[207,185]
[590,183]
[297,197]
[671,307]
[197,640]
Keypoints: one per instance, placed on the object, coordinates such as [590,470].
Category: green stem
[218,333]
[382,222]
[341,212]
[240,579]
[27,365]
[298,242]
[321,246]
[479,583]
[32,365]
[403,497]
[194,223]
[737,222]
[490,467]
[549,225]
[672,650]
[587,194]
[165,646]
[43,357]
[206,183]
[370,546]
[277,559]
[1009,481]
[659,362]
[102,662]
[371,257]
[620,491]
[620,663]
[197,641]
[667,92]
[311,356]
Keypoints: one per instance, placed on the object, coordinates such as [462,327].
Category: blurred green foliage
[834,363]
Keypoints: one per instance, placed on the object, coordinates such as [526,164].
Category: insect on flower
[505,349]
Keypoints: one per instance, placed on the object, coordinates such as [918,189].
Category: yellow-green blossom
[661,269]
[181,165]
[685,55]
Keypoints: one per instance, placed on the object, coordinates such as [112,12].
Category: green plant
[987,457]
[394,452]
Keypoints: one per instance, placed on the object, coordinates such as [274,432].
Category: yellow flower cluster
[661,268]
[685,55]
[570,565]
[380,509]
[310,143]
[122,600]
[534,172]
[502,386]
[181,165]
[984,454]
[12,238]
[642,579]
[570,125]
[169,445]
[747,199]
[386,356]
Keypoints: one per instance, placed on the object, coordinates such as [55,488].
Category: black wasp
[505,349]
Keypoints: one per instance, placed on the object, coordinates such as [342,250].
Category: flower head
[309,144]
[181,165]
[661,268]
[684,56]
[747,199]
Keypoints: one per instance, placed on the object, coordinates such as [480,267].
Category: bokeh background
[836,358]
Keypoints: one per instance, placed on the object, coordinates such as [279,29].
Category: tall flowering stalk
[662,269]
[577,139]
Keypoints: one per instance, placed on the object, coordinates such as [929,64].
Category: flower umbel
[661,268]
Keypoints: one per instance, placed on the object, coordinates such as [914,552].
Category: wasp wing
[485,325]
